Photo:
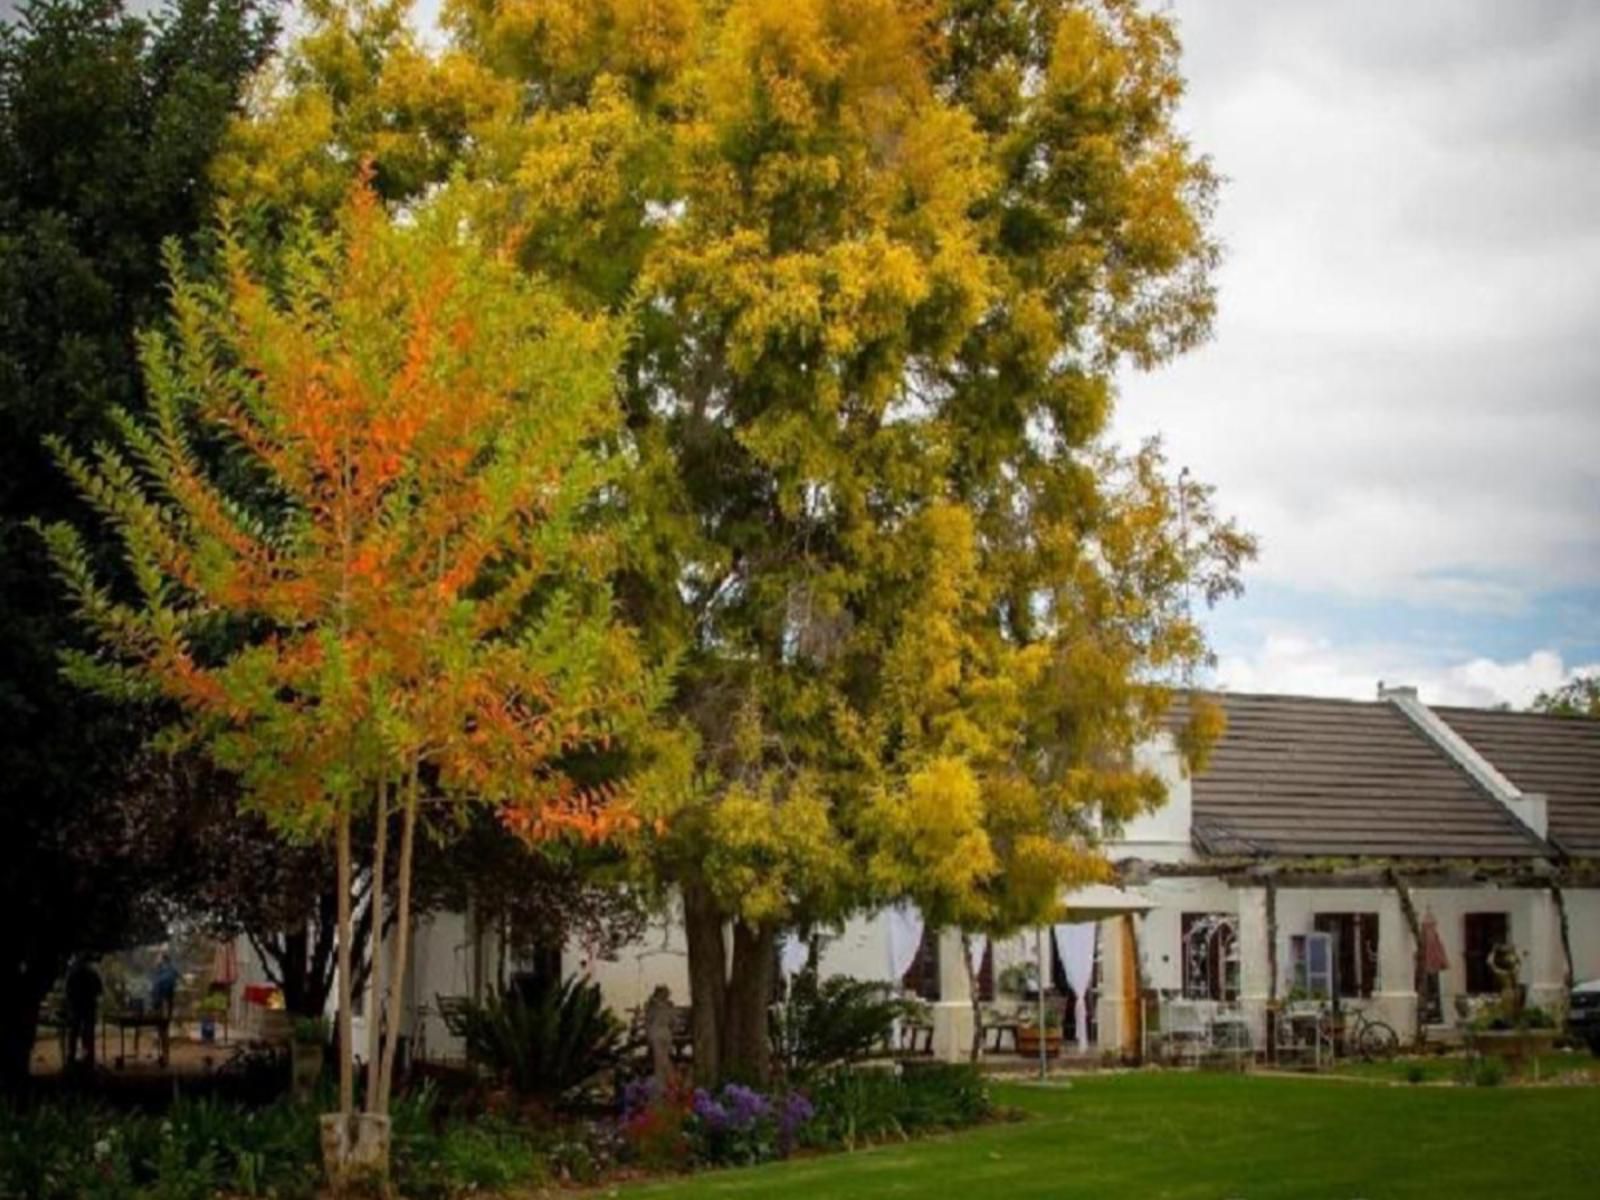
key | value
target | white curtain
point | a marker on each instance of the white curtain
(977, 943)
(905, 935)
(792, 954)
(1075, 945)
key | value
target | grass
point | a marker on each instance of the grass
(1557, 1065)
(1217, 1137)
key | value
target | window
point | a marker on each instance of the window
(986, 974)
(922, 976)
(1355, 951)
(1481, 933)
(1210, 956)
(1311, 961)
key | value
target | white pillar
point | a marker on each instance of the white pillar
(1546, 969)
(1395, 993)
(952, 1012)
(1255, 973)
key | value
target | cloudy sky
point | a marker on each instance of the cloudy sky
(1403, 395)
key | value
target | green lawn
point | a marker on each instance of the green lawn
(1557, 1065)
(1198, 1137)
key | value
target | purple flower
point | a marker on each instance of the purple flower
(638, 1095)
(712, 1115)
(797, 1110)
(745, 1105)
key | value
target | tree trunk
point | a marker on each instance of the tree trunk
(747, 1041)
(27, 985)
(708, 979)
(402, 945)
(375, 906)
(1568, 976)
(973, 991)
(347, 1077)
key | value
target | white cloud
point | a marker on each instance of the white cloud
(1310, 665)
(1401, 396)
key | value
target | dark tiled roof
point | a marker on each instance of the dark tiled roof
(1556, 756)
(1298, 776)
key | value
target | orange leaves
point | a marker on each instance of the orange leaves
(564, 809)
(398, 586)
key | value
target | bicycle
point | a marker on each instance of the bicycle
(1368, 1038)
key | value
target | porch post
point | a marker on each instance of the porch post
(1255, 969)
(952, 1012)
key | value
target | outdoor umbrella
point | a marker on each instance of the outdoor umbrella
(1434, 959)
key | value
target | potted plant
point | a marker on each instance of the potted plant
(308, 1047)
(1030, 1034)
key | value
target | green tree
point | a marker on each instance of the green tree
(395, 590)
(887, 258)
(107, 124)
(1578, 697)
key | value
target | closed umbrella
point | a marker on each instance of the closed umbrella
(1434, 958)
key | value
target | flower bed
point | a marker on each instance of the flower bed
(207, 1148)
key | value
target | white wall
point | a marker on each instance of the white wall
(1161, 836)
(661, 956)
(1583, 927)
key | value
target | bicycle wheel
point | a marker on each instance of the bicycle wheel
(1378, 1041)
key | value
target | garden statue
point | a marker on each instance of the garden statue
(1506, 963)
(658, 1020)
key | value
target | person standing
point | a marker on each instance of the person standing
(83, 1003)
(164, 998)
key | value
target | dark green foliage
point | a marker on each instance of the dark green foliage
(434, 1158)
(833, 1022)
(107, 123)
(200, 1149)
(547, 1041)
(868, 1105)
(195, 1150)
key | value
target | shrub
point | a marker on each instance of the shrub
(1480, 1070)
(834, 1022)
(545, 1042)
(866, 1105)
(1415, 1073)
(204, 1148)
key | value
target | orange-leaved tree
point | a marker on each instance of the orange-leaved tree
(365, 545)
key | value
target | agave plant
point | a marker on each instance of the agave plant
(836, 1021)
(546, 1041)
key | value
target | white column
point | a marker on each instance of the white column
(1255, 975)
(952, 1012)
(1395, 995)
(1546, 967)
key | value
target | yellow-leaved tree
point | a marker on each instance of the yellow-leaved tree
(887, 257)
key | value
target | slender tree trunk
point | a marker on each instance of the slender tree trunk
(375, 905)
(402, 945)
(1273, 1015)
(708, 979)
(977, 1001)
(1419, 967)
(347, 1078)
(1568, 976)
(747, 1042)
